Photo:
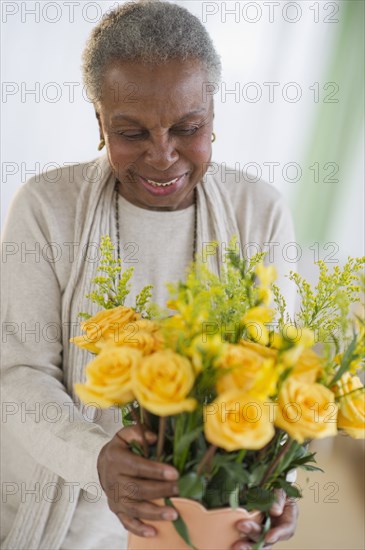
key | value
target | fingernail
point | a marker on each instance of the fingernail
(170, 473)
(170, 515)
(244, 527)
(248, 526)
(148, 532)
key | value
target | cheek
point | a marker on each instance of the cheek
(122, 155)
(199, 152)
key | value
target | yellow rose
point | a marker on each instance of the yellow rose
(108, 377)
(142, 334)
(242, 365)
(237, 420)
(351, 416)
(162, 382)
(308, 367)
(105, 325)
(306, 411)
(255, 320)
(266, 380)
(302, 338)
(264, 351)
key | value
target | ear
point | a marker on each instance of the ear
(101, 133)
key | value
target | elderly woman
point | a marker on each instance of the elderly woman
(160, 197)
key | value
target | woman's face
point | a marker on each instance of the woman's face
(157, 128)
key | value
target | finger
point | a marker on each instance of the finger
(133, 433)
(278, 506)
(142, 467)
(137, 527)
(286, 524)
(128, 489)
(245, 545)
(249, 528)
(148, 510)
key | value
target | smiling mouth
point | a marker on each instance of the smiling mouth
(166, 183)
(162, 184)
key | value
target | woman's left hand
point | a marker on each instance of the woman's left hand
(284, 514)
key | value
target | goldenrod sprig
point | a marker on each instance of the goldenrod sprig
(325, 308)
(112, 283)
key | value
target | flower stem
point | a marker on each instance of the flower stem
(276, 461)
(241, 455)
(205, 461)
(141, 428)
(146, 419)
(161, 436)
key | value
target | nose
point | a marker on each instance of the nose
(161, 152)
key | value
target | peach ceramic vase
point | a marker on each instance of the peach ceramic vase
(208, 529)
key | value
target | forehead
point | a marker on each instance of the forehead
(174, 88)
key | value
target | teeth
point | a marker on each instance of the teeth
(167, 183)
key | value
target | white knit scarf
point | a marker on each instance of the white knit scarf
(44, 525)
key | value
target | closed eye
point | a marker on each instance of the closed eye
(133, 135)
(180, 131)
(187, 131)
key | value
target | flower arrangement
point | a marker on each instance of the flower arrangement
(234, 387)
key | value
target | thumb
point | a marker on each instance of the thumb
(134, 433)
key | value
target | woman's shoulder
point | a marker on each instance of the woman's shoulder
(64, 181)
(245, 188)
(49, 199)
(259, 208)
(56, 191)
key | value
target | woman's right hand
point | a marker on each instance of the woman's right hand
(131, 482)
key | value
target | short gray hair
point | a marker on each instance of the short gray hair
(149, 32)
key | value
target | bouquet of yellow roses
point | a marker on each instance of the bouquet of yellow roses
(234, 388)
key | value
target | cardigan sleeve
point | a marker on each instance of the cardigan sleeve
(36, 405)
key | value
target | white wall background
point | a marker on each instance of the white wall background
(259, 42)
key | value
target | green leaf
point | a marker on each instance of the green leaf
(218, 490)
(259, 499)
(346, 360)
(191, 485)
(306, 457)
(181, 527)
(265, 529)
(290, 490)
(234, 501)
(311, 468)
(185, 440)
(236, 471)
(287, 462)
(257, 473)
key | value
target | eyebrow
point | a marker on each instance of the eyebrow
(121, 116)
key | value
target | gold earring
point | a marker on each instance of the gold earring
(101, 144)
(213, 137)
